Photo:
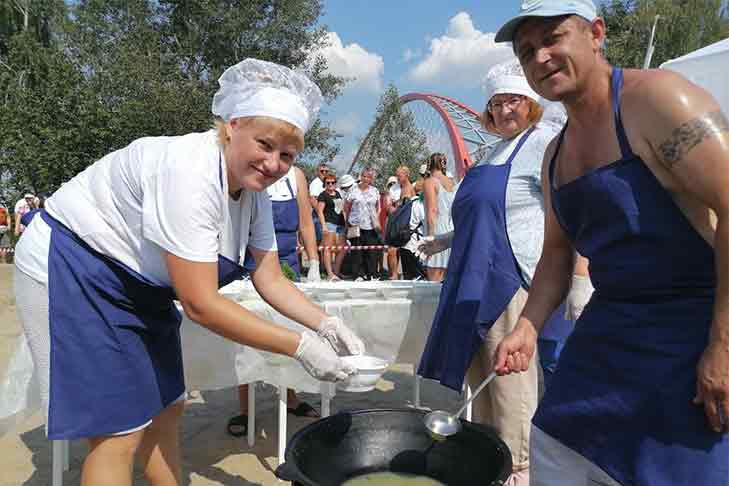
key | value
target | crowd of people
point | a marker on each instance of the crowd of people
(627, 193)
(16, 221)
(351, 216)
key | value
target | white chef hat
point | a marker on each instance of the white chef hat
(261, 88)
(507, 77)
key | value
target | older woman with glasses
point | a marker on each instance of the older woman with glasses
(498, 229)
(362, 207)
(330, 209)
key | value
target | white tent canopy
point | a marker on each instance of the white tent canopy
(707, 67)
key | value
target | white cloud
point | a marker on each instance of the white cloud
(410, 54)
(353, 61)
(347, 124)
(461, 56)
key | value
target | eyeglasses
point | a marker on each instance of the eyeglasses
(323, 171)
(511, 104)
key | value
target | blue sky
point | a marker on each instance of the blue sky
(440, 46)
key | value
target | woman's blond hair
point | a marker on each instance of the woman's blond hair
(535, 114)
(287, 129)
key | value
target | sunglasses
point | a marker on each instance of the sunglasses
(330, 183)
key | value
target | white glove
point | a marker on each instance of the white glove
(319, 359)
(578, 297)
(313, 274)
(430, 245)
(333, 330)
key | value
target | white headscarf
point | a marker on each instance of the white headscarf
(261, 88)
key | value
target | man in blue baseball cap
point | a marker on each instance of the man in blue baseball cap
(637, 183)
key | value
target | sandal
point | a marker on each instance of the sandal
(304, 410)
(238, 425)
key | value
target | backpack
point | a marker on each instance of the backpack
(397, 230)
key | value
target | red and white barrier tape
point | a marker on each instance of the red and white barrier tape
(348, 247)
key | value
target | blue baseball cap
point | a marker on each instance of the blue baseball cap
(546, 8)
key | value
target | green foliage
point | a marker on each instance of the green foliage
(683, 27)
(394, 139)
(81, 79)
(288, 272)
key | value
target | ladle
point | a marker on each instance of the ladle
(442, 424)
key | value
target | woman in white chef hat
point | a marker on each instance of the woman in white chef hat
(166, 218)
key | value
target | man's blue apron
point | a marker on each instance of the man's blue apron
(482, 277)
(116, 356)
(622, 394)
(286, 226)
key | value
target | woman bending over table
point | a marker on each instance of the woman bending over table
(165, 218)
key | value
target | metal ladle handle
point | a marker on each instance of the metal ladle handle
(478, 390)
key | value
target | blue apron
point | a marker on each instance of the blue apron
(482, 276)
(116, 355)
(286, 226)
(622, 393)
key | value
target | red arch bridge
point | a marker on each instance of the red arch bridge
(448, 126)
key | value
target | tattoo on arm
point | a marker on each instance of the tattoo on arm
(690, 134)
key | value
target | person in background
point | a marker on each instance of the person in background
(317, 184)
(361, 208)
(498, 227)
(165, 219)
(411, 266)
(315, 188)
(422, 175)
(408, 261)
(637, 183)
(389, 202)
(439, 192)
(330, 208)
(23, 206)
(4, 222)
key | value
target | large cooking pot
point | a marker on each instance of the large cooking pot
(334, 449)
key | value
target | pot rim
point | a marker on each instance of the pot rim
(291, 468)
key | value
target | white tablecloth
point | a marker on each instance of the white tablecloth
(392, 318)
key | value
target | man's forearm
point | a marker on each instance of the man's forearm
(720, 325)
(549, 287)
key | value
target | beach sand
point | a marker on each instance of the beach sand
(210, 455)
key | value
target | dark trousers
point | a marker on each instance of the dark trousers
(411, 268)
(364, 262)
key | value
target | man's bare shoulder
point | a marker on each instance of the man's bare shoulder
(659, 88)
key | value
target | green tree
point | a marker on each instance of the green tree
(102, 73)
(683, 27)
(393, 139)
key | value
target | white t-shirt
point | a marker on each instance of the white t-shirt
(315, 187)
(364, 206)
(279, 190)
(161, 193)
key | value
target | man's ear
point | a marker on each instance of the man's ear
(598, 30)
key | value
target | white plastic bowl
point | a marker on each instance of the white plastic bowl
(369, 370)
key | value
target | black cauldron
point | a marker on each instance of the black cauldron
(349, 444)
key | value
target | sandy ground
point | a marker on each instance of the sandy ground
(210, 455)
